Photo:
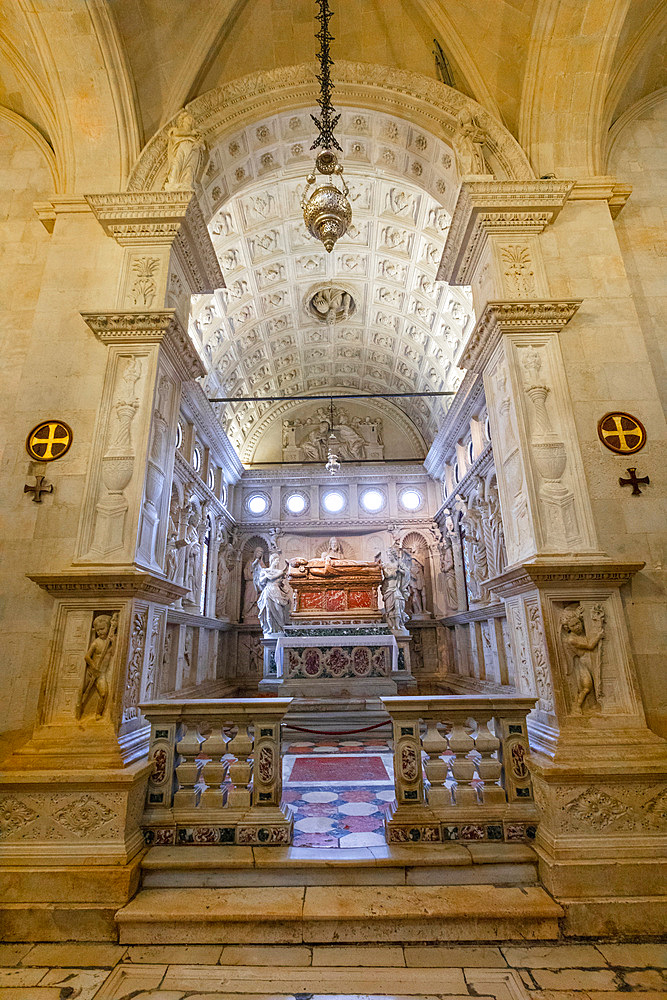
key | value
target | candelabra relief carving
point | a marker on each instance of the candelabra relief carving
(582, 644)
(156, 468)
(518, 270)
(549, 455)
(508, 458)
(483, 537)
(135, 662)
(118, 460)
(144, 286)
(539, 654)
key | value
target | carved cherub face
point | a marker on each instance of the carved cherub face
(572, 622)
(258, 553)
(101, 626)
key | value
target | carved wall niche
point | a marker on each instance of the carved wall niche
(248, 593)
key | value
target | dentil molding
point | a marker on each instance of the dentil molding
(514, 316)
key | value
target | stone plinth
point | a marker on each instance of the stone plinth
(334, 660)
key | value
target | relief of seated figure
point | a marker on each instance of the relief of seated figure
(332, 563)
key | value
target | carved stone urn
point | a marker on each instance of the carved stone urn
(117, 471)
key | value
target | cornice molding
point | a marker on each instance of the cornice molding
(485, 207)
(514, 316)
(115, 210)
(602, 189)
(130, 583)
(160, 326)
(554, 574)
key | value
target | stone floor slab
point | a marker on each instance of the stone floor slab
(84, 982)
(576, 979)
(80, 954)
(186, 954)
(290, 955)
(358, 955)
(11, 954)
(129, 978)
(312, 980)
(21, 977)
(635, 954)
(418, 956)
(559, 956)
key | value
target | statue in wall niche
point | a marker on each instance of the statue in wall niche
(474, 549)
(98, 663)
(417, 583)
(193, 552)
(395, 589)
(184, 150)
(249, 611)
(583, 653)
(274, 596)
(468, 145)
(496, 556)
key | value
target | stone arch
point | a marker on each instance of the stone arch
(424, 102)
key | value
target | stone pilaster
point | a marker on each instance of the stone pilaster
(595, 764)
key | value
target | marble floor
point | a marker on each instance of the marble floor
(338, 791)
(101, 971)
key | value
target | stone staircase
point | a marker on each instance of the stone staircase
(238, 895)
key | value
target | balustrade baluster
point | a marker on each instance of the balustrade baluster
(489, 767)
(215, 769)
(240, 769)
(189, 768)
(463, 769)
(436, 768)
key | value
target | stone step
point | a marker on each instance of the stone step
(342, 914)
(446, 864)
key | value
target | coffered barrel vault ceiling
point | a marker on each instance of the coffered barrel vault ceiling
(368, 317)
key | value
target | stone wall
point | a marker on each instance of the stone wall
(637, 157)
(52, 368)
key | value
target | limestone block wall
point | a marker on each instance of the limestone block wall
(638, 157)
(608, 368)
(52, 368)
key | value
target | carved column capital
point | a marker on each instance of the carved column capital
(489, 207)
(154, 327)
(514, 317)
(168, 250)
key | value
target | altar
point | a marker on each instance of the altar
(341, 660)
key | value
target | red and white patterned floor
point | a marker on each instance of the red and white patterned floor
(339, 791)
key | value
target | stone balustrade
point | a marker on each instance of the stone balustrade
(460, 769)
(217, 775)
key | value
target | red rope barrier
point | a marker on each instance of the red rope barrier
(342, 732)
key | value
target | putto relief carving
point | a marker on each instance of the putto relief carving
(357, 437)
(582, 645)
(98, 660)
(331, 304)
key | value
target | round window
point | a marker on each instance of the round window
(179, 434)
(333, 502)
(410, 499)
(373, 500)
(296, 503)
(487, 429)
(196, 459)
(470, 453)
(211, 479)
(257, 504)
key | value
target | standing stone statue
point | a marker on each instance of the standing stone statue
(417, 584)
(183, 153)
(394, 589)
(98, 662)
(274, 595)
(249, 611)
